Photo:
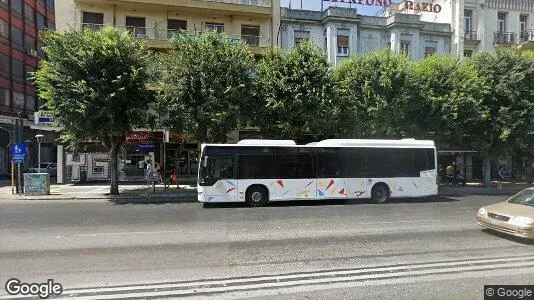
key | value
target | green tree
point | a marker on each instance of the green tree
(381, 99)
(508, 106)
(95, 84)
(297, 94)
(451, 92)
(207, 86)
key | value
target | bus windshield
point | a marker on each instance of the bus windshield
(215, 167)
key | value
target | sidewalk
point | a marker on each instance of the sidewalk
(476, 188)
(101, 191)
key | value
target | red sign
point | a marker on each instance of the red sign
(138, 137)
(429, 7)
(363, 2)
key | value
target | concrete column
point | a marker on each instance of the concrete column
(275, 23)
(331, 43)
(60, 164)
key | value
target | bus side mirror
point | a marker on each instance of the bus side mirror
(205, 162)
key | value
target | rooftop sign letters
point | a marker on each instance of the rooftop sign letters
(138, 137)
(363, 2)
(429, 7)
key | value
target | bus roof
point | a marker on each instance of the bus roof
(338, 143)
(375, 143)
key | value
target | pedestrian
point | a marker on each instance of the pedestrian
(149, 171)
(455, 173)
(500, 176)
(158, 171)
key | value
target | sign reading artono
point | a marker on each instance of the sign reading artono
(363, 2)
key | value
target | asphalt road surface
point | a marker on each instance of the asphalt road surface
(427, 248)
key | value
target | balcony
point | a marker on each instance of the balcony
(158, 38)
(471, 37)
(526, 39)
(504, 38)
(243, 7)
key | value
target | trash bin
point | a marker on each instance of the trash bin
(83, 173)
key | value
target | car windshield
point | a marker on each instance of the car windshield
(525, 198)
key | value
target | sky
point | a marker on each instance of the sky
(316, 5)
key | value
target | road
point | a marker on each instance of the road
(427, 248)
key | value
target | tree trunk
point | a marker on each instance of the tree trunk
(486, 171)
(113, 169)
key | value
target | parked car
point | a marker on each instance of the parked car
(46, 167)
(515, 216)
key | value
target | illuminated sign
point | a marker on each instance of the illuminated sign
(363, 2)
(138, 137)
(429, 7)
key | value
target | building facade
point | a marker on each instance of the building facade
(342, 32)
(20, 51)
(480, 25)
(155, 21)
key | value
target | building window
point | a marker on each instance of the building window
(468, 53)
(468, 21)
(92, 20)
(343, 42)
(4, 30)
(18, 102)
(4, 65)
(4, 99)
(17, 37)
(29, 42)
(430, 51)
(175, 26)
(30, 104)
(219, 27)
(29, 13)
(523, 27)
(251, 35)
(29, 71)
(16, 6)
(50, 4)
(405, 47)
(41, 21)
(301, 36)
(18, 70)
(137, 26)
(501, 22)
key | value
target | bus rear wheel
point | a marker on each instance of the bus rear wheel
(256, 196)
(380, 193)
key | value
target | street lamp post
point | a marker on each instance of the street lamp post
(39, 138)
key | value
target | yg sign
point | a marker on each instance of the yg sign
(429, 7)
(363, 2)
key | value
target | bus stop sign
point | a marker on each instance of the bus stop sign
(18, 153)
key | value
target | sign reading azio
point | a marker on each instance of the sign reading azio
(363, 2)
(429, 7)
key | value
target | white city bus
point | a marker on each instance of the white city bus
(259, 171)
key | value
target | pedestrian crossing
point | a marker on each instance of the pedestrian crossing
(219, 287)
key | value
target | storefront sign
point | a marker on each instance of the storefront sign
(138, 137)
(429, 7)
(363, 2)
(146, 147)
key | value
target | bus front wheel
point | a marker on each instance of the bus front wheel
(380, 193)
(256, 196)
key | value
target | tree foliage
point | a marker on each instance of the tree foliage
(380, 96)
(297, 95)
(207, 85)
(95, 84)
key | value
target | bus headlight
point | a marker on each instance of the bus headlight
(482, 211)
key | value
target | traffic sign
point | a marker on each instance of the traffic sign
(18, 153)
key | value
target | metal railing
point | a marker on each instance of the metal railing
(154, 33)
(526, 36)
(471, 36)
(504, 37)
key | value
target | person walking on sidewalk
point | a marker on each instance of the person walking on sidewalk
(149, 172)
(500, 176)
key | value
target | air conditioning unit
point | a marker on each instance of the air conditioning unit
(32, 52)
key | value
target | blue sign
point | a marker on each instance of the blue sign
(18, 153)
(146, 147)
